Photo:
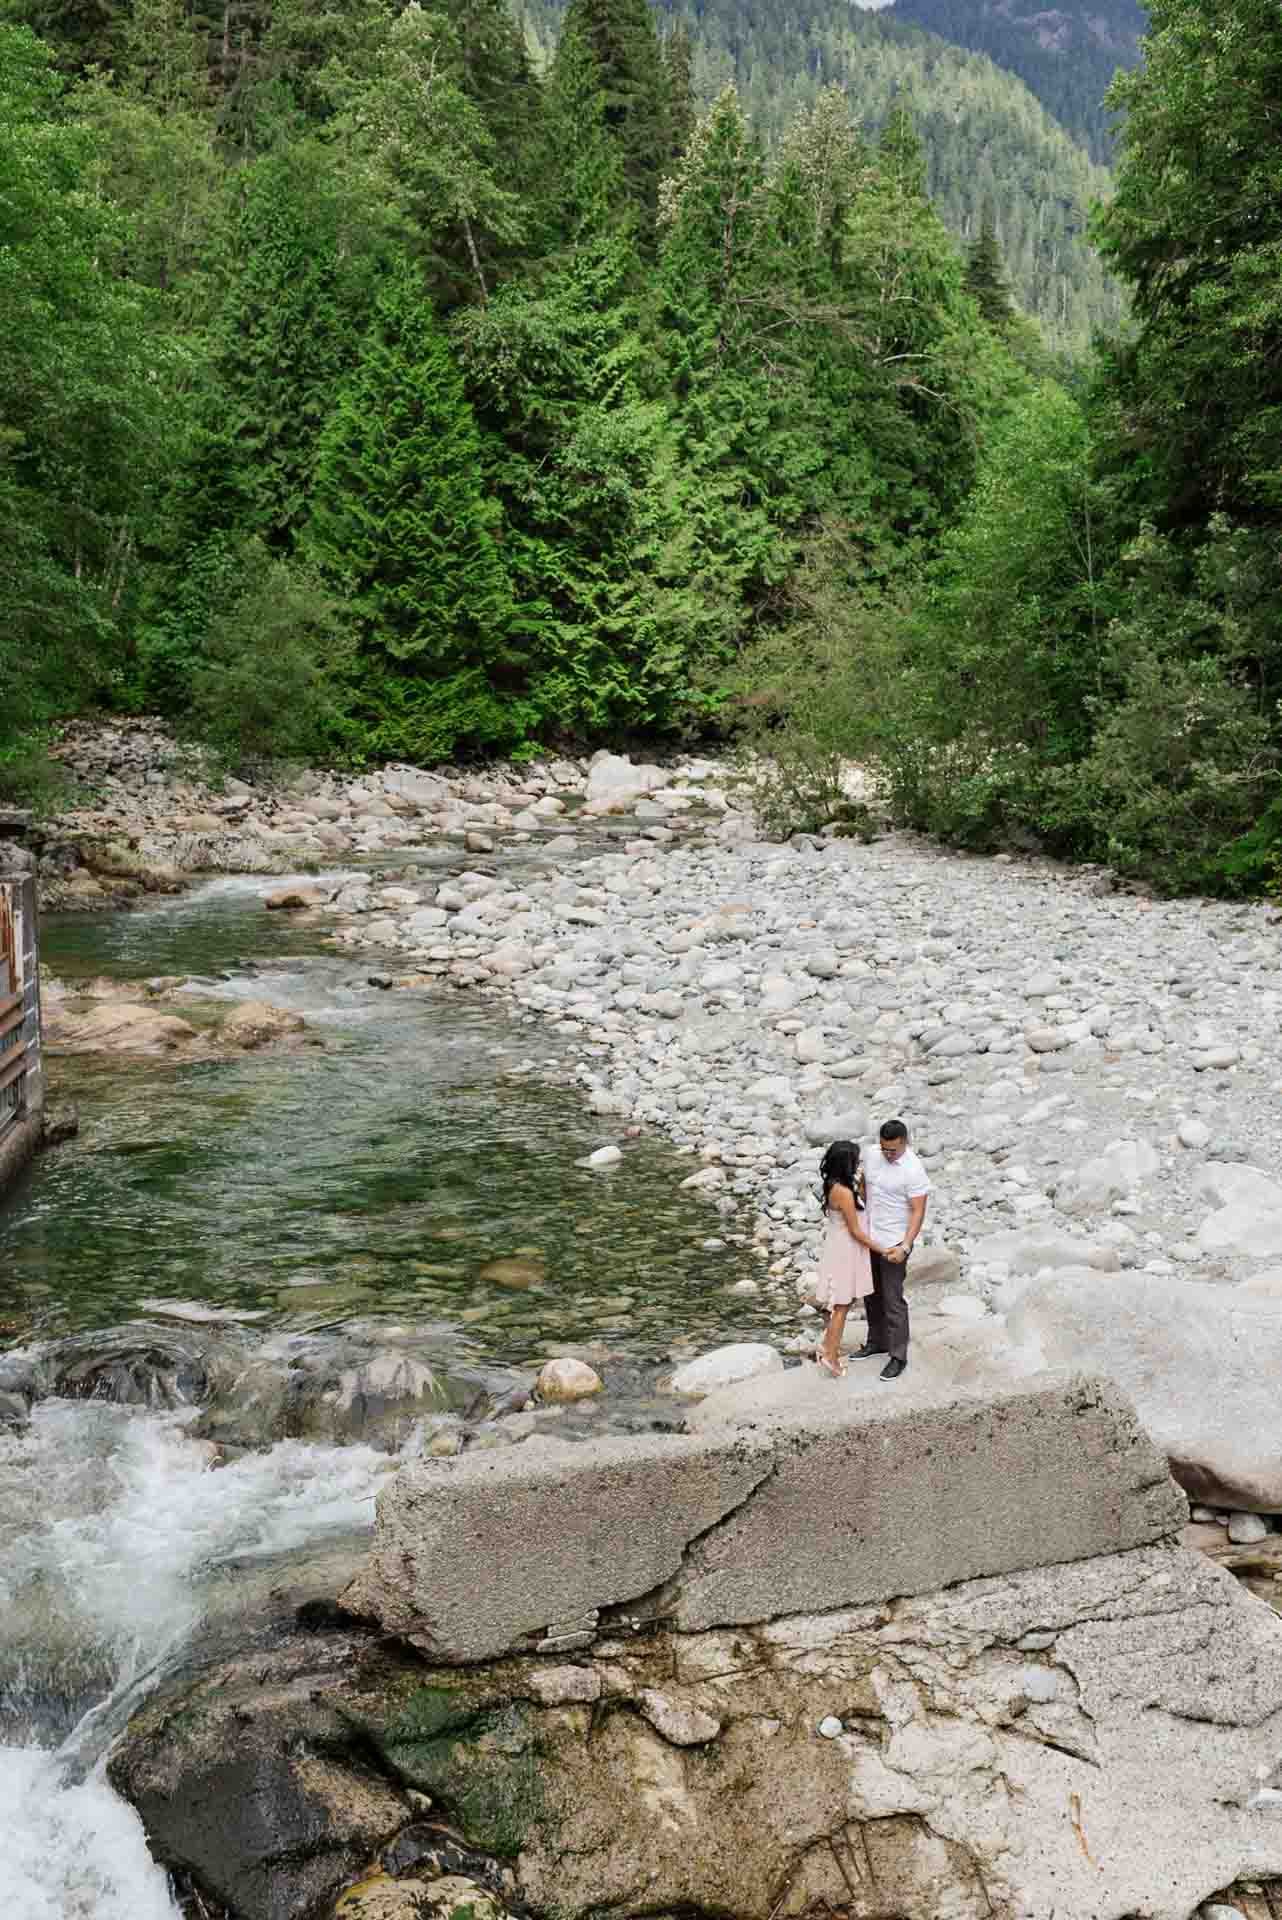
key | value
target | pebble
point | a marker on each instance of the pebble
(830, 1726)
(1245, 1529)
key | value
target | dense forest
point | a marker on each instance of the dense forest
(369, 390)
(1066, 55)
(990, 147)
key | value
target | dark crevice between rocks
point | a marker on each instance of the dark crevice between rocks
(657, 1607)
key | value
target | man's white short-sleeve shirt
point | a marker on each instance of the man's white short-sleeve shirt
(891, 1184)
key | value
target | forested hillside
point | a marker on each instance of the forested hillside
(367, 393)
(1067, 55)
(1091, 657)
(990, 146)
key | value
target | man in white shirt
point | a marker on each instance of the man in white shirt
(897, 1189)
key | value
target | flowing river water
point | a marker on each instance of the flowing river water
(360, 1186)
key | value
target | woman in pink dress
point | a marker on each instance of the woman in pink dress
(845, 1271)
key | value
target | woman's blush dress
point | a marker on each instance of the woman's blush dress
(845, 1271)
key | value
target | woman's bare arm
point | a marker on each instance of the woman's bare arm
(844, 1201)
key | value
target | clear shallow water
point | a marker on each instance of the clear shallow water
(376, 1174)
(372, 1178)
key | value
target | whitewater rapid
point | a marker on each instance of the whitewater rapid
(114, 1535)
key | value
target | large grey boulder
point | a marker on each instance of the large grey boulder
(1248, 1211)
(835, 1505)
(1202, 1364)
(615, 784)
(744, 1360)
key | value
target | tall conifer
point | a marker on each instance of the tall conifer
(625, 47)
(986, 280)
(400, 524)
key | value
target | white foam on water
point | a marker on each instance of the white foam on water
(73, 1853)
(110, 1523)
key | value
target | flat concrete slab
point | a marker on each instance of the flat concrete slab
(796, 1509)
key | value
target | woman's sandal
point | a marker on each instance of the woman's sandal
(838, 1371)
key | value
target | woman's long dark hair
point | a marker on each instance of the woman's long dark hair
(839, 1168)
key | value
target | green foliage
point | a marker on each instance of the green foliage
(986, 281)
(288, 333)
(428, 150)
(400, 527)
(808, 696)
(1196, 227)
(987, 140)
(620, 38)
(84, 384)
(274, 653)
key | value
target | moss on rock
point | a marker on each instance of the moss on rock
(479, 1760)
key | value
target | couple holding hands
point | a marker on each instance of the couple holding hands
(874, 1206)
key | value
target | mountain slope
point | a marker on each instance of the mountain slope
(1065, 54)
(988, 141)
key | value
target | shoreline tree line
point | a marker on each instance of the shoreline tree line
(370, 393)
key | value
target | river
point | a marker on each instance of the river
(356, 1188)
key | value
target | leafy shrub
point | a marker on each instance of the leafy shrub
(1180, 769)
(268, 683)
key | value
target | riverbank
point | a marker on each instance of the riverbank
(1092, 1077)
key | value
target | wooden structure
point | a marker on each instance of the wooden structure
(21, 1080)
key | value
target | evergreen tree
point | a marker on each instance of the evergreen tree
(399, 524)
(428, 150)
(1196, 228)
(986, 281)
(86, 404)
(580, 189)
(737, 459)
(287, 335)
(156, 158)
(678, 73)
(621, 37)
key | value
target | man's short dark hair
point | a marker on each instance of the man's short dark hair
(893, 1130)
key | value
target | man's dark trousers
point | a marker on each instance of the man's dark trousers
(886, 1308)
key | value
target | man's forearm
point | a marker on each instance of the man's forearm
(916, 1218)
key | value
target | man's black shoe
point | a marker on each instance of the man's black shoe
(893, 1369)
(866, 1352)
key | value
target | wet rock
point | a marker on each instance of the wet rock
(564, 1380)
(118, 1027)
(62, 1123)
(454, 1897)
(378, 1401)
(262, 1792)
(14, 1409)
(381, 1898)
(294, 899)
(253, 1024)
(334, 1387)
(516, 1273)
(430, 1850)
(136, 1365)
(1147, 1673)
